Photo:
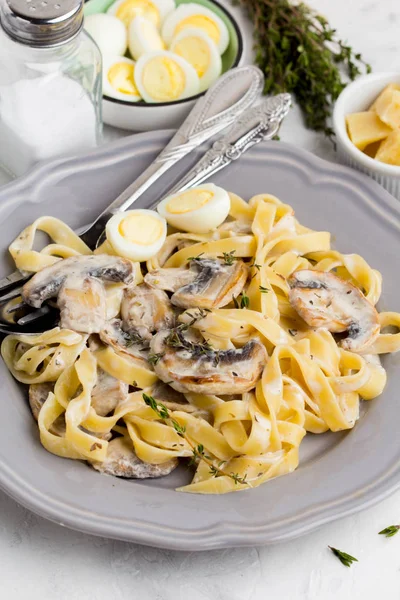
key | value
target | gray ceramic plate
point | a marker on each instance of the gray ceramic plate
(338, 473)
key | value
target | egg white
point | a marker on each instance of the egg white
(191, 80)
(143, 37)
(128, 248)
(199, 220)
(160, 8)
(214, 67)
(173, 23)
(108, 89)
(108, 32)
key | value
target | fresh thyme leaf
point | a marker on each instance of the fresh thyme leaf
(198, 257)
(198, 451)
(158, 407)
(175, 339)
(264, 290)
(154, 359)
(228, 257)
(346, 559)
(180, 429)
(299, 52)
(132, 338)
(237, 479)
(244, 300)
(255, 265)
(390, 531)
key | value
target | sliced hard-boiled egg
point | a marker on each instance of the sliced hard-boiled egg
(143, 37)
(165, 77)
(195, 15)
(198, 210)
(136, 234)
(108, 32)
(154, 10)
(119, 78)
(195, 46)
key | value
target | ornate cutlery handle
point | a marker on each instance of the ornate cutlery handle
(222, 104)
(260, 123)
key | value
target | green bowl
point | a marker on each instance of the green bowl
(234, 51)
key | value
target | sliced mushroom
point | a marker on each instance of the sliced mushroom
(324, 300)
(130, 343)
(83, 305)
(145, 310)
(108, 393)
(47, 283)
(209, 283)
(38, 393)
(121, 461)
(170, 280)
(193, 367)
(237, 226)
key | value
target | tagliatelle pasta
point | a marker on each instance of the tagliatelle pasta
(310, 382)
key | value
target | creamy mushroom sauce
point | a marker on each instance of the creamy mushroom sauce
(224, 349)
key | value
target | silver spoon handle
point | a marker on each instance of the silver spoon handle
(262, 122)
(223, 103)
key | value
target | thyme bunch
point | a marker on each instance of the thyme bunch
(299, 52)
(199, 452)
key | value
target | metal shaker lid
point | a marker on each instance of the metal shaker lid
(41, 23)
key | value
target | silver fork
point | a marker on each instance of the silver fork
(259, 123)
(223, 103)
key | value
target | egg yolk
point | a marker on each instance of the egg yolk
(141, 229)
(163, 79)
(132, 8)
(196, 51)
(202, 22)
(121, 79)
(189, 201)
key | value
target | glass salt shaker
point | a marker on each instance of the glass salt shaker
(50, 82)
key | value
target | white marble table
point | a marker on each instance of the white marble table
(41, 560)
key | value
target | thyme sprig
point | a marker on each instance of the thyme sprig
(242, 301)
(154, 358)
(198, 450)
(346, 559)
(176, 339)
(390, 531)
(264, 290)
(228, 257)
(299, 52)
(198, 257)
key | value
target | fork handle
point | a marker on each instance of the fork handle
(212, 113)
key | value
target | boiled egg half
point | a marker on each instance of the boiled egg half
(136, 234)
(153, 10)
(198, 49)
(119, 78)
(200, 17)
(165, 77)
(108, 32)
(143, 37)
(198, 210)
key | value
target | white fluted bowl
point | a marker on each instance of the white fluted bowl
(356, 97)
